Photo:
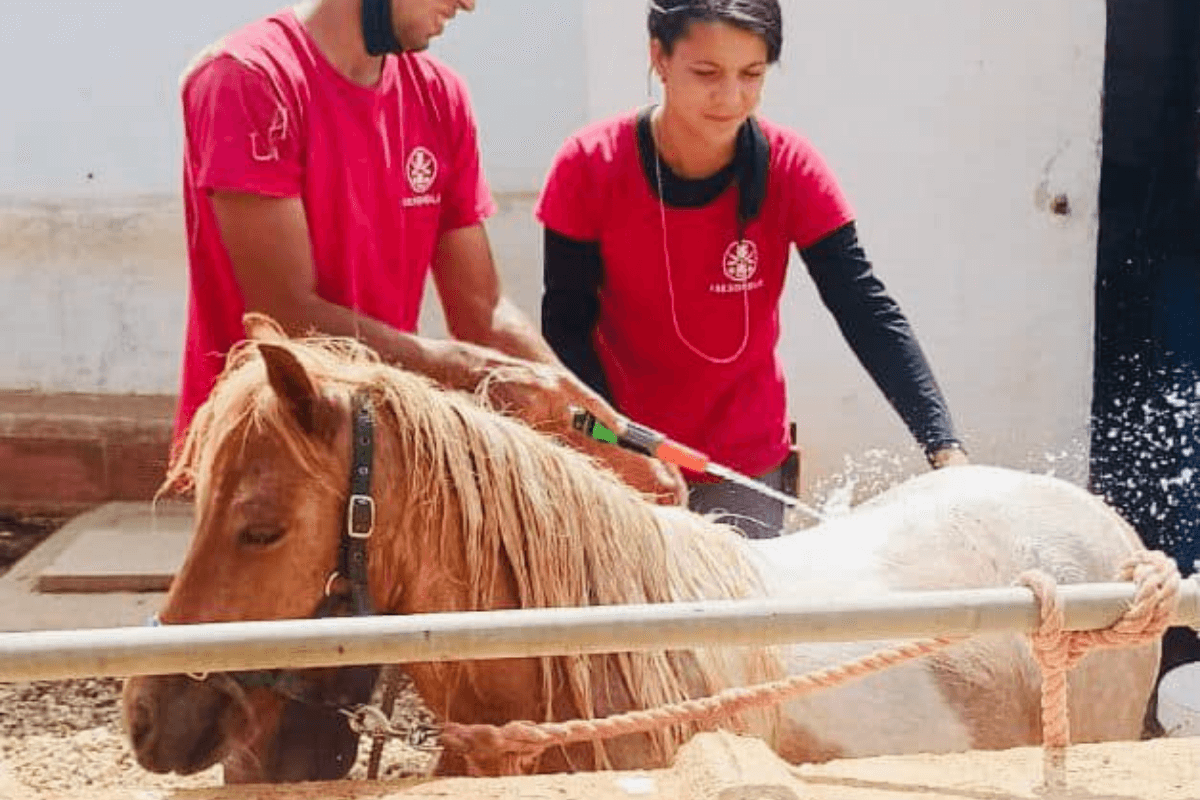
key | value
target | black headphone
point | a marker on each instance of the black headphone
(378, 33)
(754, 165)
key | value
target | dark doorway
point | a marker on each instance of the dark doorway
(1145, 450)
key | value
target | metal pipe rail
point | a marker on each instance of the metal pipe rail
(221, 647)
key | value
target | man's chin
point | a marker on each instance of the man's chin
(412, 44)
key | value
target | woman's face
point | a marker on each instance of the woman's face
(713, 79)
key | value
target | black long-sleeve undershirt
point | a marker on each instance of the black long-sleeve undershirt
(572, 274)
(880, 335)
(870, 320)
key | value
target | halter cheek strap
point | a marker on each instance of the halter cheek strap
(360, 507)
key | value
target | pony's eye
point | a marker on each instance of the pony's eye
(260, 535)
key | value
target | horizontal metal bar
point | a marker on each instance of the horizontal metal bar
(118, 652)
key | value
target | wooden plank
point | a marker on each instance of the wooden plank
(136, 551)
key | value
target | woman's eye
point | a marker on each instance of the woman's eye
(260, 535)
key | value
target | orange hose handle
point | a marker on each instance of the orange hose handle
(682, 456)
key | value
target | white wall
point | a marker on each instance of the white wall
(950, 123)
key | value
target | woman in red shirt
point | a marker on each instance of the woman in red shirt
(668, 232)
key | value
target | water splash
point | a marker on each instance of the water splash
(1146, 455)
(861, 477)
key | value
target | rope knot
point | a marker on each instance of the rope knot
(510, 749)
(1156, 596)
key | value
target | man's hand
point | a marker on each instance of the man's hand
(542, 395)
(514, 369)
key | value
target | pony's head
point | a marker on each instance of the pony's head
(474, 511)
(267, 459)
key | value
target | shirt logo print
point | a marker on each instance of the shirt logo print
(422, 169)
(266, 148)
(741, 261)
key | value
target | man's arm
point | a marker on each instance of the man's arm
(268, 244)
(476, 309)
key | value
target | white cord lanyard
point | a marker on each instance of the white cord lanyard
(745, 292)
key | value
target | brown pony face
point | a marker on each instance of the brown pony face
(265, 542)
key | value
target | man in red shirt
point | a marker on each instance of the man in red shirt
(330, 167)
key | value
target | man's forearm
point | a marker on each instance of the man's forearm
(455, 365)
(513, 333)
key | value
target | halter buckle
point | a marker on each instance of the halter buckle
(360, 516)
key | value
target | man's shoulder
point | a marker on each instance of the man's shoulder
(268, 46)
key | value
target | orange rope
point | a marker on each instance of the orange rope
(517, 745)
(520, 743)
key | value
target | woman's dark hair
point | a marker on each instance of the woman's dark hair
(669, 20)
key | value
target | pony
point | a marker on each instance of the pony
(475, 510)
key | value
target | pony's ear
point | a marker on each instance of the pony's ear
(261, 328)
(291, 383)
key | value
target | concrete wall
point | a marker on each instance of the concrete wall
(952, 124)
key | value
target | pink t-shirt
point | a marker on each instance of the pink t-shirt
(383, 172)
(692, 352)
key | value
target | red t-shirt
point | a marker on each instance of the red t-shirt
(383, 172)
(693, 353)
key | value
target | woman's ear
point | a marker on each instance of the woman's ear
(658, 60)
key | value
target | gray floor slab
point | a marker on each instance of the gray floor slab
(106, 568)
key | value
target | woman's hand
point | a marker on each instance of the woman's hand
(951, 455)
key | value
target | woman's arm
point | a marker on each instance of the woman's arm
(572, 274)
(882, 339)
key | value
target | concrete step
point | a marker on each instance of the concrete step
(106, 568)
(65, 453)
(120, 547)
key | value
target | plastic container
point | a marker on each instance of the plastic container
(1179, 701)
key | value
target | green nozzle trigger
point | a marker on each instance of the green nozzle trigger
(586, 422)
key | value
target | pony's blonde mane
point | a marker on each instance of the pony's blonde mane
(568, 532)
